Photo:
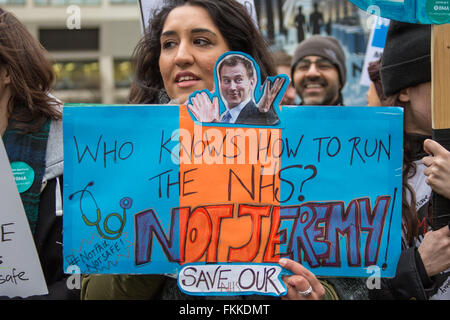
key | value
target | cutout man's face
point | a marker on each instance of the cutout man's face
(235, 84)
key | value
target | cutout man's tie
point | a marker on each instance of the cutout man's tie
(227, 117)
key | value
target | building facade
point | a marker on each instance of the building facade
(90, 43)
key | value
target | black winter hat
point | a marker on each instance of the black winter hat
(406, 58)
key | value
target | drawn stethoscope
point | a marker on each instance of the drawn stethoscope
(125, 203)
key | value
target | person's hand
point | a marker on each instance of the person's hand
(303, 285)
(270, 93)
(438, 171)
(435, 251)
(203, 109)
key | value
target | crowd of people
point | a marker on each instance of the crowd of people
(176, 57)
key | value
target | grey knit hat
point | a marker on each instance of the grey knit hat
(325, 47)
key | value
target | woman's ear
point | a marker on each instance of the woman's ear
(5, 78)
(404, 95)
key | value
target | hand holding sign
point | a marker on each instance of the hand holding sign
(303, 285)
(438, 171)
(435, 251)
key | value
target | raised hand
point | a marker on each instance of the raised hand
(270, 93)
(203, 109)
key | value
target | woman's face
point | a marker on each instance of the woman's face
(190, 46)
(418, 117)
(372, 96)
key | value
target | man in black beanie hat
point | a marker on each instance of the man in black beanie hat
(318, 71)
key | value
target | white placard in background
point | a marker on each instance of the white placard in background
(20, 270)
(375, 47)
(148, 6)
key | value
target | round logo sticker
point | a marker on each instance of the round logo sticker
(438, 10)
(23, 175)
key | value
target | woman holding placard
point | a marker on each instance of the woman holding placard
(406, 81)
(176, 57)
(31, 128)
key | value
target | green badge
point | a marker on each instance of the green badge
(23, 175)
(438, 10)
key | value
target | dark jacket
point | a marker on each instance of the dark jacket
(48, 232)
(252, 116)
(48, 240)
(411, 281)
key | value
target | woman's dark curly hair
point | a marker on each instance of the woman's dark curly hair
(409, 212)
(31, 76)
(232, 20)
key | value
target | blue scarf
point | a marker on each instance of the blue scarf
(31, 149)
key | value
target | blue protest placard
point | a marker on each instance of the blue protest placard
(121, 161)
(148, 189)
(328, 194)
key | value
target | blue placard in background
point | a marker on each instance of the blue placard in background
(412, 11)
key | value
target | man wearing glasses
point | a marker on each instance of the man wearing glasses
(318, 71)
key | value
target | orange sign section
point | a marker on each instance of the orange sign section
(230, 183)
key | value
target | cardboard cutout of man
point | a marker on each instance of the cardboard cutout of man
(236, 85)
(237, 78)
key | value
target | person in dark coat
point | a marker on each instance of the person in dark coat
(300, 22)
(423, 268)
(31, 128)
